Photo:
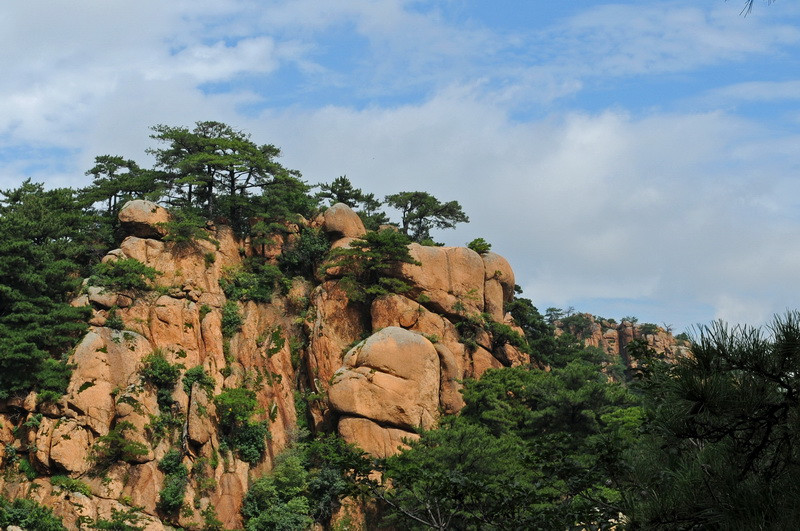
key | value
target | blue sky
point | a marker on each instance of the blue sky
(630, 158)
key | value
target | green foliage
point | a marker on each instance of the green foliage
(113, 319)
(120, 521)
(579, 325)
(27, 469)
(162, 375)
(126, 274)
(114, 446)
(304, 255)
(721, 448)
(165, 425)
(420, 212)
(235, 407)
(530, 450)
(117, 180)
(648, 329)
(249, 441)
(170, 497)
(215, 168)
(201, 377)
(185, 227)
(480, 246)
(231, 319)
(28, 515)
(71, 485)
(305, 486)
(368, 263)
(46, 240)
(256, 282)
(277, 501)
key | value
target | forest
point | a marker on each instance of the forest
(705, 441)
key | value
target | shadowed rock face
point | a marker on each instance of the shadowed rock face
(406, 371)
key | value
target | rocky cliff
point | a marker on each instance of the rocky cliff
(373, 372)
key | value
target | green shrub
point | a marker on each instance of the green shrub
(648, 329)
(114, 446)
(578, 324)
(304, 255)
(26, 469)
(125, 274)
(198, 375)
(71, 485)
(120, 521)
(162, 375)
(113, 320)
(170, 497)
(234, 409)
(249, 441)
(165, 424)
(257, 282)
(185, 227)
(368, 263)
(231, 319)
(28, 515)
(480, 246)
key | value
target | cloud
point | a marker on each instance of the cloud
(756, 91)
(603, 206)
(689, 212)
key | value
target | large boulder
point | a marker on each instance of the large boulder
(144, 219)
(341, 222)
(450, 280)
(391, 378)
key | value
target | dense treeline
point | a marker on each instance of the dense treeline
(708, 441)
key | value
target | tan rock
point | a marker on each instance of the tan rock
(337, 323)
(228, 502)
(391, 378)
(374, 439)
(499, 285)
(451, 376)
(142, 218)
(200, 427)
(482, 361)
(142, 486)
(341, 222)
(450, 279)
(102, 297)
(396, 310)
(106, 360)
(69, 447)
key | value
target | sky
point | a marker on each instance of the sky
(635, 158)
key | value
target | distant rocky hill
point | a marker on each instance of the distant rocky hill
(147, 373)
(613, 338)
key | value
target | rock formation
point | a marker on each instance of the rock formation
(373, 372)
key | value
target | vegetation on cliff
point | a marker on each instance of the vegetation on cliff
(562, 420)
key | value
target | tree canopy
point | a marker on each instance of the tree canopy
(420, 212)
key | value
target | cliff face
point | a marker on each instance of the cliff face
(373, 372)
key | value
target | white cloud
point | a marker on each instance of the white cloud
(756, 91)
(693, 210)
(604, 206)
